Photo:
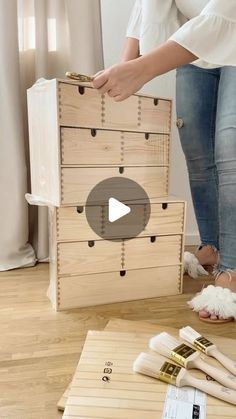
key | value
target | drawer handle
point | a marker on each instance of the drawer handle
(122, 273)
(153, 239)
(147, 135)
(156, 101)
(93, 132)
(164, 206)
(121, 170)
(81, 90)
(91, 243)
(80, 210)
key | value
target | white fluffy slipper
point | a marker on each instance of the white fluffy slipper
(192, 266)
(216, 300)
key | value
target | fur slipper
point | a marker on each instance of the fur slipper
(216, 300)
(192, 266)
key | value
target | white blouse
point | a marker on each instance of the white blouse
(207, 28)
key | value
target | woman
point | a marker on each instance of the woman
(168, 34)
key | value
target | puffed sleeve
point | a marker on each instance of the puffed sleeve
(211, 36)
(134, 25)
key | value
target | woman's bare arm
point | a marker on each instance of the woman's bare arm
(131, 50)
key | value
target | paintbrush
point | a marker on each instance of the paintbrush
(158, 367)
(189, 358)
(207, 347)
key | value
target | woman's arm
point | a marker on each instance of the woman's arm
(131, 49)
(122, 80)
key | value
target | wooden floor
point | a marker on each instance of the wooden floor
(39, 348)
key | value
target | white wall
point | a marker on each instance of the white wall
(115, 15)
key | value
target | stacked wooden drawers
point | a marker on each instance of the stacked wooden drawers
(77, 139)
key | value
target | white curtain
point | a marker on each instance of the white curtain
(38, 38)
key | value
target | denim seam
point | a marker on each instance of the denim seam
(212, 137)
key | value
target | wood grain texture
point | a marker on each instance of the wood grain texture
(92, 290)
(40, 348)
(129, 395)
(142, 124)
(88, 147)
(167, 219)
(110, 256)
(77, 183)
(87, 108)
(44, 141)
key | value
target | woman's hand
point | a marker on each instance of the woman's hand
(121, 80)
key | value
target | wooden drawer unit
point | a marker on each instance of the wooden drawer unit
(79, 138)
(81, 106)
(89, 290)
(81, 146)
(167, 217)
(76, 183)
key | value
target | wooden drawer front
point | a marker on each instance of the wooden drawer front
(78, 182)
(146, 149)
(155, 112)
(88, 147)
(105, 288)
(145, 115)
(142, 253)
(102, 147)
(79, 258)
(72, 223)
(84, 107)
(166, 218)
(107, 256)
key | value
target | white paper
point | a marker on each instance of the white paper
(184, 403)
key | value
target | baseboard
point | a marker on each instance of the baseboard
(192, 239)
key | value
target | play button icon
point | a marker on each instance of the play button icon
(117, 210)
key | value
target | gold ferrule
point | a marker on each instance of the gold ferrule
(181, 354)
(202, 344)
(79, 77)
(169, 372)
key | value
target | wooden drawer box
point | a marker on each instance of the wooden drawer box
(167, 217)
(69, 131)
(107, 256)
(76, 183)
(81, 146)
(90, 290)
(81, 106)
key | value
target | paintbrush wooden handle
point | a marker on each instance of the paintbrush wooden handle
(228, 380)
(215, 390)
(228, 363)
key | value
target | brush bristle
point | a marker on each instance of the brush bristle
(148, 364)
(189, 334)
(164, 344)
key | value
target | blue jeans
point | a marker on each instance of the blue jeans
(206, 112)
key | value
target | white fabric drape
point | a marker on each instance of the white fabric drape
(38, 38)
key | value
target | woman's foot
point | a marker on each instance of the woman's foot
(207, 256)
(225, 280)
